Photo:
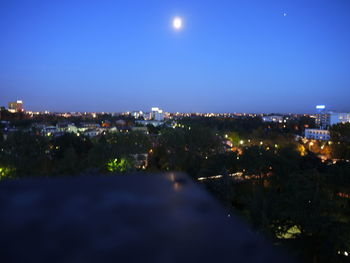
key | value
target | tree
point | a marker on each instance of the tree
(69, 164)
(25, 154)
(234, 138)
(340, 134)
(121, 165)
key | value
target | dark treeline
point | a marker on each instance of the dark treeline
(246, 125)
(27, 154)
(303, 204)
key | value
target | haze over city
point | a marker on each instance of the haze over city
(228, 56)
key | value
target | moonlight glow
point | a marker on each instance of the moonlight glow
(177, 23)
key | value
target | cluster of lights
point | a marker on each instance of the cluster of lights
(238, 176)
(176, 125)
(345, 253)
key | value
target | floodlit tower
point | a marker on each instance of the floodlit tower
(322, 117)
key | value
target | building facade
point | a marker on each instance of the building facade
(157, 114)
(322, 118)
(325, 119)
(275, 118)
(338, 117)
(16, 106)
(317, 134)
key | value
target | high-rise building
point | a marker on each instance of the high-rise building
(156, 114)
(16, 106)
(322, 120)
(325, 119)
(137, 114)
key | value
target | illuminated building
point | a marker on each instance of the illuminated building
(322, 117)
(317, 134)
(325, 119)
(157, 114)
(16, 106)
(338, 117)
(273, 119)
(149, 122)
(137, 114)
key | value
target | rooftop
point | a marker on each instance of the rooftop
(153, 218)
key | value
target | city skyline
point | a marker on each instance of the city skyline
(12, 105)
(275, 56)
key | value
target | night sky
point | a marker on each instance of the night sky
(230, 56)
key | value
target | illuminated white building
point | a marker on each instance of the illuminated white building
(137, 114)
(325, 119)
(322, 118)
(278, 119)
(317, 134)
(156, 114)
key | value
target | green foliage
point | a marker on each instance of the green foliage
(80, 144)
(5, 172)
(234, 138)
(68, 163)
(120, 166)
(35, 155)
(153, 130)
(297, 205)
(127, 143)
(184, 149)
(27, 153)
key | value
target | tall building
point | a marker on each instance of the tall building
(137, 114)
(16, 106)
(325, 119)
(157, 114)
(322, 118)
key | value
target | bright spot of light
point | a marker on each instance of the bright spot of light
(177, 23)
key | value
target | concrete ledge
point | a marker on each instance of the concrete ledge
(133, 218)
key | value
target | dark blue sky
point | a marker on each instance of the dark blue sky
(231, 56)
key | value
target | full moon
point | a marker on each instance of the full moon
(177, 23)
